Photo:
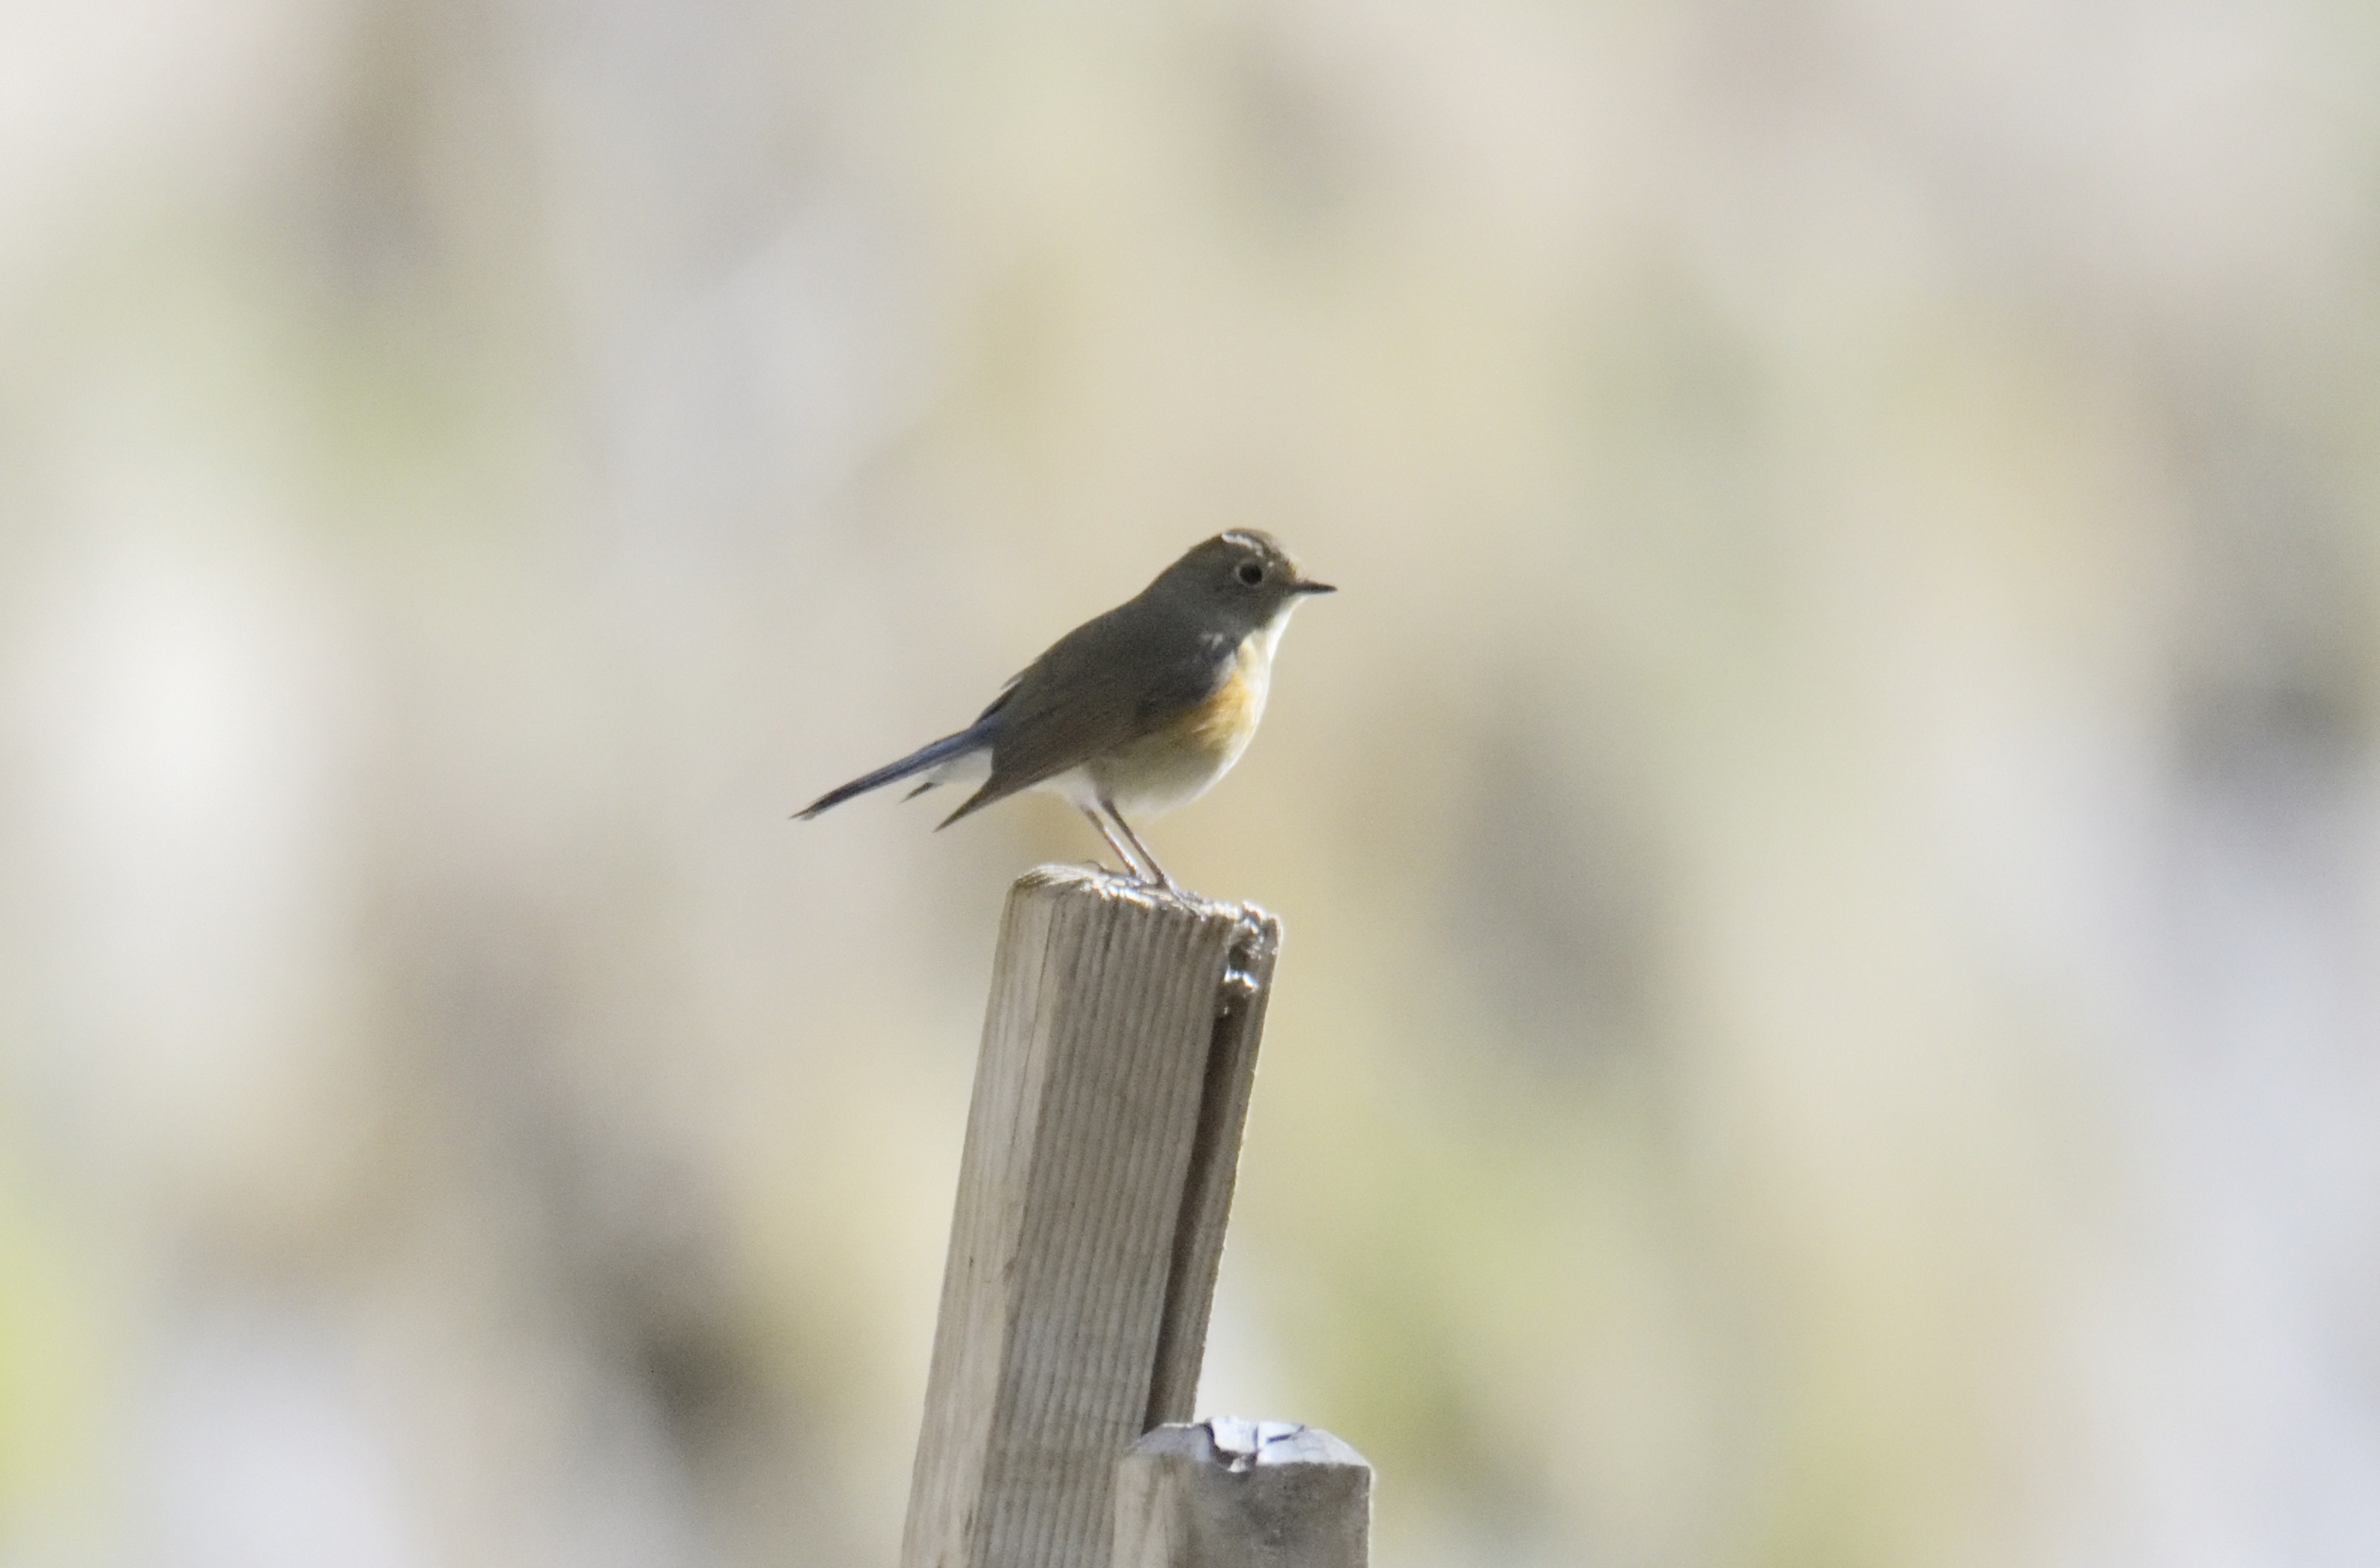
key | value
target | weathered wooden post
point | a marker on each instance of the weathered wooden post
(1243, 1494)
(1118, 1053)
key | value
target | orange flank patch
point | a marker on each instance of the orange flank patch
(1221, 724)
(1169, 766)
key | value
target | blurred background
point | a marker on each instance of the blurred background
(1830, 844)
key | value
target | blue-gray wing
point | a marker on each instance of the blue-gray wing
(1103, 685)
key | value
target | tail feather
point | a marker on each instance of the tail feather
(917, 761)
(993, 789)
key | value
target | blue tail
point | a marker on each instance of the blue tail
(917, 762)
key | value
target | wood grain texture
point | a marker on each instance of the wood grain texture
(1241, 1494)
(1118, 1053)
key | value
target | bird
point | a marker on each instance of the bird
(1134, 711)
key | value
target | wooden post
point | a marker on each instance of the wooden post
(1118, 1052)
(1243, 1494)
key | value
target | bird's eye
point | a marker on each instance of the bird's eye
(1251, 574)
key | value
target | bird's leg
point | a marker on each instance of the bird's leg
(1131, 867)
(1167, 883)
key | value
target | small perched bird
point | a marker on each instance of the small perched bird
(1136, 711)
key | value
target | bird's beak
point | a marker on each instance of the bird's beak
(1313, 588)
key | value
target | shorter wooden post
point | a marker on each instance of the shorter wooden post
(1243, 1494)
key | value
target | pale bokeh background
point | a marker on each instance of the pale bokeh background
(1830, 845)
